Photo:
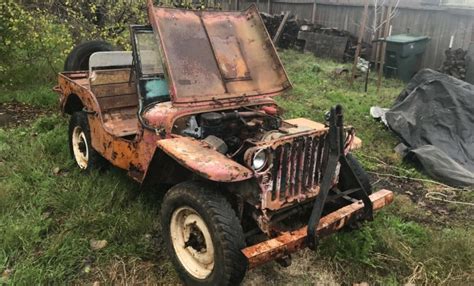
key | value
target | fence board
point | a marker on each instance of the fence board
(439, 23)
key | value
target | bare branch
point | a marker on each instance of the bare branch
(378, 7)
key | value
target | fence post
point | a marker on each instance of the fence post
(384, 46)
(269, 6)
(313, 15)
(359, 41)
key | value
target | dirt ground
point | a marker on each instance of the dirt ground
(14, 114)
(304, 269)
(435, 207)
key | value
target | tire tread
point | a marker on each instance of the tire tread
(225, 221)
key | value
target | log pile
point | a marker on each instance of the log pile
(455, 63)
(289, 36)
(351, 45)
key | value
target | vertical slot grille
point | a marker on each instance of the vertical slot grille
(297, 168)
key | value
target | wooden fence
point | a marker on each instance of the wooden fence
(440, 23)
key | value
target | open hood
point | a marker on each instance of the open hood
(217, 56)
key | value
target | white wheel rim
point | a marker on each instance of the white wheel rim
(80, 147)
(188, 227)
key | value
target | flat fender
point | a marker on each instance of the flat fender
(199, 157)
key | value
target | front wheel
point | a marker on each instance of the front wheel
(203, 235)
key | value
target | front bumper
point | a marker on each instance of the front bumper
(289, 242)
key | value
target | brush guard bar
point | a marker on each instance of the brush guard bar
(336, 140)
(359, 210)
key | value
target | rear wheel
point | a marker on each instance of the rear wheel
(203, 235)
(78, 58)
(80, 143)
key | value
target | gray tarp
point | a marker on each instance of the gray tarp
(434, 116)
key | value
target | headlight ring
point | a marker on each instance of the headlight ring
(258, 160)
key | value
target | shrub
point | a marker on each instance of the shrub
(33, 45)
(96, 19)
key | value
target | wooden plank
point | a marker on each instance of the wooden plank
(359, 41)
(302, 10)
(113, 89)
(384, 46)
(290, 2)
(378, 35)
(412, 4)
(122, 113)
(100, 77)
(118, 101)
(124, 127)
(277, 36)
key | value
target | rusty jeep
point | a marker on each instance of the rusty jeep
(192, 107)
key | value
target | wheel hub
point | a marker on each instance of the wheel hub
(196, 238)
(80, 148)
(192, 242)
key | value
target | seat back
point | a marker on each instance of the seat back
(114, 88)
(110, 80)
(110, 60)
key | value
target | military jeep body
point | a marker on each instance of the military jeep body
(192, 107)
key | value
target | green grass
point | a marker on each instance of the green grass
(36, 95)
(393, 247)
(49, 211)
(48, 217)
(316, 90)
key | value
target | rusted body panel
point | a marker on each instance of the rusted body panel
(131, 155)
(210, 55)
(199, 157)
(304, 124)
(135, 155)
(163, 115)
(289, 242)
(76, 83)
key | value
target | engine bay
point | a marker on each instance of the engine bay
(244, 134)
(229, 131)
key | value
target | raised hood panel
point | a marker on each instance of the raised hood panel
(216, 56)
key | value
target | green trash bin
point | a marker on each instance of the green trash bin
(403, 55)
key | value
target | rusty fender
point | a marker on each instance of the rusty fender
(199, 157)
(289, 242)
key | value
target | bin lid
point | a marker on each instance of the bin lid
(405, 39)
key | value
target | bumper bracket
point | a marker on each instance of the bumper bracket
(289, 242)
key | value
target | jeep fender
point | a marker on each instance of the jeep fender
(202, 159)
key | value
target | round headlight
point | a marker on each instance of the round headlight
(259, 160)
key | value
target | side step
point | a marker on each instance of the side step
(289, 242)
